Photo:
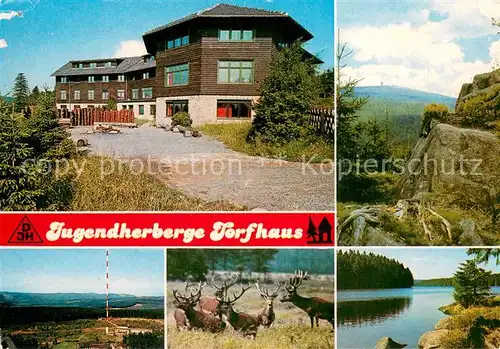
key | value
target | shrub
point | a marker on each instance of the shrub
(481, 111)
(182, 119)
(367, 188)
(433, 111)
(287, 95)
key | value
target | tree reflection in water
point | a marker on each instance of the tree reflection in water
(352, 313)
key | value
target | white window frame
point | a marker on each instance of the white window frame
(64, 79)
(90, 94)
(121, 78)
(135, 93)
(105, 78)
(120, 92)
(75, 94)
(64, 95)
(107, 95)
(91, 78)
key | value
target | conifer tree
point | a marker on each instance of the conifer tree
(471, 284)
(21, 92)
(287, 95)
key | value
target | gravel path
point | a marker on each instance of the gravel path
(204, 167)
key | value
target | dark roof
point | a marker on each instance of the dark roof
(125, 65)
(224, 11)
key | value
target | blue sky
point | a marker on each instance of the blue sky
(51, 32)
(430, 45)
(132, 271)
(430, 263)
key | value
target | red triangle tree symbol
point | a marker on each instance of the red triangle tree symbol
(25, 233)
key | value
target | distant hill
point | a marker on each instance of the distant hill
(7, 99)
(314, 261)
(82, 300)
(494, 280)
(396, 93)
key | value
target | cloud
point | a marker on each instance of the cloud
(8, 15)
(3, 43)
(130, 48)
(424, 54)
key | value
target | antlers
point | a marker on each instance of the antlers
(296, 280)
(193, 298)
(264, 292)
(243, 290)
(226, 284)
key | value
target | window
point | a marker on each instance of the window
(105, 94)
(234, 72)
(147, 92)
(90, 106)
(76, 95)
(152, 110)
(107, 64)
(90, 94)
(93, 65)
(141, 109)
(236, 35)
(121, 78)
(91, 78)
(105, 78)
(283, 44)
(234, 109)
(63, 95)
(145, 75)
(135, 93)
(124, 107)
(64, 79)
(177, 75)
(178, 42)
(64, 106)
(174, 107)
(120, 94)
(80, 65)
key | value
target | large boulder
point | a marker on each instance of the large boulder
(453, 160)
(432, 339)
(481, 84)
(388, 343)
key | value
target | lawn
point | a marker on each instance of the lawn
(234, 136)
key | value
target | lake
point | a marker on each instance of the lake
(365, 316)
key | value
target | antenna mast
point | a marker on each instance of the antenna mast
(107, 289)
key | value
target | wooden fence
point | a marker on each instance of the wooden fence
(322, 119)
(89, 116)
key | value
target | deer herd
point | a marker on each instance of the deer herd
(213, 313)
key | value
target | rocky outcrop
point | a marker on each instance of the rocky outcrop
(452, 159)
(388, 343)
(431, 339)
(481, 84)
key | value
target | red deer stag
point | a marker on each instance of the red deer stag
(267, 315)
(243, 323)
(181, 320)
(316, 308)
(209, 304)
(197, 319)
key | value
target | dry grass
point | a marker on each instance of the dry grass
(291, 329)
(461, 322)
(124, 190)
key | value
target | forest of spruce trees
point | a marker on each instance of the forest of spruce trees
(358, 270)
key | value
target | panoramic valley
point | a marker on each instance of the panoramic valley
(64, 317)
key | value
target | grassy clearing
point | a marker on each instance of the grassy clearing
(290, 330)
(122, 189)
(234, 136)
(289, 336)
